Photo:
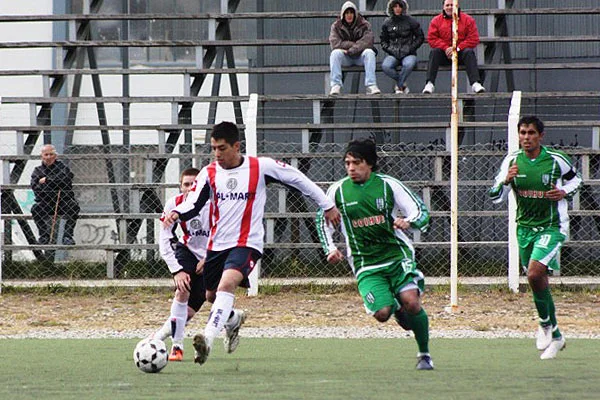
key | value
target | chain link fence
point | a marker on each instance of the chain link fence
(120, 200)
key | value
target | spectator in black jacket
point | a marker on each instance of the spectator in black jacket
(401, 36)
(52, 184)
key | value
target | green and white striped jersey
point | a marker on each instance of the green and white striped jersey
(534, 179)
(368, 212)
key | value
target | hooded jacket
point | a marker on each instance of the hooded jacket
(439, 35)
(401, 35)
(355, 37)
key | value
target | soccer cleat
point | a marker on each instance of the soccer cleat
(402, 319)
(478, 87)
(176, 354)
(201, 349)
(544, 337)
(335, 90)
(429, 88)
(373, 89)
(424, 362)
(232, 337)
(555, 346)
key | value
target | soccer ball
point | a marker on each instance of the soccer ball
(150, 355)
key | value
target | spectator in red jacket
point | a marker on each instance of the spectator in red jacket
(439, 37)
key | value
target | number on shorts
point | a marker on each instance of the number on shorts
(544, 241)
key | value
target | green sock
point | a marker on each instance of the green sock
(420, 326)
(542, 300)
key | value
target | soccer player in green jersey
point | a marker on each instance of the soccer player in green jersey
(377, 212)
(542, 180)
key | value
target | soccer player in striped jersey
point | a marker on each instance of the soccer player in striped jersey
(185, 259)
(377, 212)
(542, 180)
(236, 186)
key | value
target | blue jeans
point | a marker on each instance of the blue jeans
(339, 59)
(389, 68)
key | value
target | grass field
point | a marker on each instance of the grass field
(302, 369)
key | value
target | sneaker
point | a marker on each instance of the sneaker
(373, 89)
(478, 87)
(176, 354)
(335, 90)
(543, 337)
(429, 88)
(424, 362)
(68, 241)
(401, 90)
(232, 337)
(201, 349)
(555, 346)
(402, 319)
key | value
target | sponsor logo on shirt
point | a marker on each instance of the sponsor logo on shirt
(235, 196)
(532, 194)
(368, 221)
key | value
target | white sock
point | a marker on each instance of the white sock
(178, 320)
(219, 313)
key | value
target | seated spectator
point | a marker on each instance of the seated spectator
(439, 37)
(401, 36)
(351, 40)
(52, 184)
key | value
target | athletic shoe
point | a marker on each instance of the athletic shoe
(424, 362)
(478, 87)
(429, 88)
(402, 319)
(544, 337)
(401, 90)
(176, 354)
(201, 349)
(335, 90)
(556, 345)
(232, 337)
(373, 89)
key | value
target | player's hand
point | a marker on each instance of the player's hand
(401, 223)
(182, 281)
(332, 216)
(335, 256)
(555, 194)
(512, 172)
(200, 267)
(170, 219)
(42, 180)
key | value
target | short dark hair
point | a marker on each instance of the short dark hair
(532, 120)
(363, 149)
(226, 130)
(189, 172)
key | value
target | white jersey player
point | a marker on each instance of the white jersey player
(185, 260)
(236, 185)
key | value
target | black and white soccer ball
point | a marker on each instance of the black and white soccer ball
(150, 355)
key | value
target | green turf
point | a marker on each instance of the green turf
(302, 369)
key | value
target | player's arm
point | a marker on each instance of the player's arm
(195, 200)
(501, 187)
(290, 176)
(415, 213)
(167, 240)
(325, 231)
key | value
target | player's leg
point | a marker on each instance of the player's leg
(237, 263)
(543, 259)
(374, 288)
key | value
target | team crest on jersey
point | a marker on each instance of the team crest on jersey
(195, 224)
(231, 183)
(546, 179)
(370, 297)
(380, 203)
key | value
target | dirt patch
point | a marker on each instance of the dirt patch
(122, 310)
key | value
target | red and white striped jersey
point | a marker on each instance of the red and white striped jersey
(238, 196)
(195, 234)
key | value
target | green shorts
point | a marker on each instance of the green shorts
(540, 244)
(379, 287)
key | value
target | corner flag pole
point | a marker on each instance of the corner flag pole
(454, 168)
(252, 150)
